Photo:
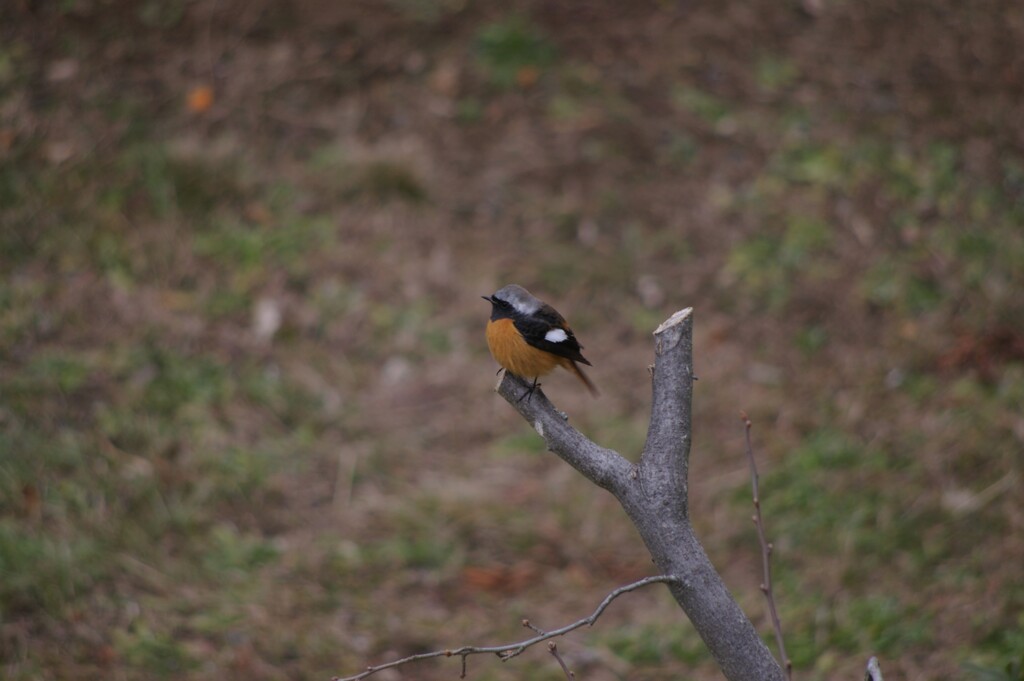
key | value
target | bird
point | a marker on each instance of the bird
(529, 338)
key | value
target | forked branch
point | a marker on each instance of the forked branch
(508, 651)
(654, 494)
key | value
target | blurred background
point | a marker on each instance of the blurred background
(247, 427)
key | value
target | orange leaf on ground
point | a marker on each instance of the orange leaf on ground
(200, 98)
(500, 578)
(527, 76)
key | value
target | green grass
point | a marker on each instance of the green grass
(1001, 657)
(771, 266)
(650, 646)
(159, 654)
(45, 571)
(934, 210)
(113, 446)
(704, 105)
(817, 630)
(510, 49)
(236, 555)
(774, 73)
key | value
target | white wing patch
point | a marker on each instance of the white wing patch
(556, 336)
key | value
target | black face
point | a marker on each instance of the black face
(500, 309)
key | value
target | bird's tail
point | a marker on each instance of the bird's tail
(574, 368)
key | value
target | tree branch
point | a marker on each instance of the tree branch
(766, 551)
(873, 671)
(565, 668)
(507, 652)
(603, 467)
(654, 494)
(664, 464)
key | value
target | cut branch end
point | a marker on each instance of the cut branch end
(677, 318)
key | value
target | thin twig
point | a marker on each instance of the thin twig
(507, 652)
(553, 648)
(766, 552)
(529, 625)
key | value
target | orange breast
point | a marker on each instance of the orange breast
(515, 354)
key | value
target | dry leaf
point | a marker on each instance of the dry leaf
(200, 98)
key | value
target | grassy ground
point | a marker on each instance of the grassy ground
(246, 420)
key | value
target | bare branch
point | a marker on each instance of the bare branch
(874, 671)
(558, 656)
(529, 625)
(766, 551)
(604, 467)
(654, 494)
(665, 462)
(507, 652)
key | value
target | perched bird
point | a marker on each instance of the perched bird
(529, 338)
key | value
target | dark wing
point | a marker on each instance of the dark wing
(535, 327)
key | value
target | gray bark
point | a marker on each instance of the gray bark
(654, 494)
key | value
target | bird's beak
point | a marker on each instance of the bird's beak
(488, 299)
